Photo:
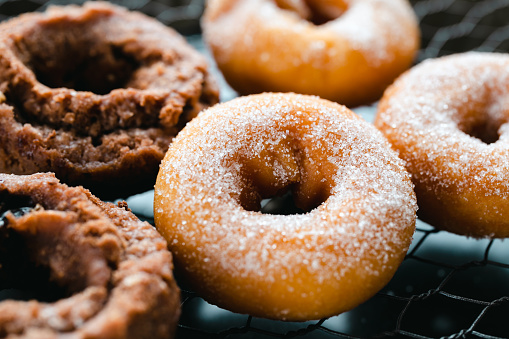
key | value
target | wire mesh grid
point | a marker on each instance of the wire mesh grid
(448, 286)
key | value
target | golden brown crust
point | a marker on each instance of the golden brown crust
(350, 59)
(95, 94)
(448, 118)
(111, 273)
(292, 267)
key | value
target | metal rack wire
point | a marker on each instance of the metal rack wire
(448, 286)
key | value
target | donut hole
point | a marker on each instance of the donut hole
(73, 58)
(485, 130)
(316, 12)
(281, 205)
(272, 182)
(484, 133)
(21, 278)
(285, 201)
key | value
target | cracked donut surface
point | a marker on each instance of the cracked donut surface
(89, 269)
(95, 94)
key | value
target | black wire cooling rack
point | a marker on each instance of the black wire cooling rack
(448, 286)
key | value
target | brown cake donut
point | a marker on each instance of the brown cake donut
(99, 271)
(449, 120)
(357, 194)
(95, 94)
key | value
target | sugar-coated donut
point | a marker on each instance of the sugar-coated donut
(291, 267)
(95, 94)
(448, 118)
(284, 46)
(84, 268)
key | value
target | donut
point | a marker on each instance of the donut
(88, 269)
(95, 94)
(346, 51)
(356, 196)
(448, 119)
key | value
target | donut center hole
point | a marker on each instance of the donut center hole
(280, 205)
(288, 204)
(21, 278)
(74, 58)
(486, 131)
(316, 12)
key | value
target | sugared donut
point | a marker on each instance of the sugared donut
(348, 51)
(359, 198)
(95, 94)
(85, 269)
(448, 120)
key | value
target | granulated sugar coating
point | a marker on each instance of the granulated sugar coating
(292, 267)
(351, 58)
(448, 119)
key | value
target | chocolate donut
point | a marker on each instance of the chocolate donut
(95, 94)
(88, 269)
